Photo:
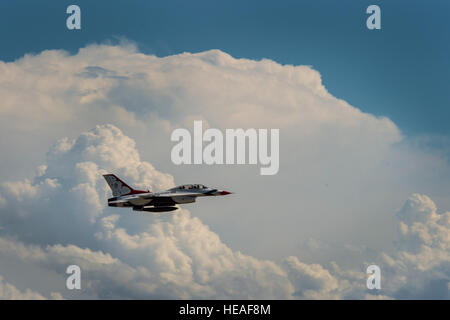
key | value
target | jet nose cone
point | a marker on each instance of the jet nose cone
(224, 193)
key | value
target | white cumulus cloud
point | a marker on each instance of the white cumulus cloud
(60, 218)
(342, 174)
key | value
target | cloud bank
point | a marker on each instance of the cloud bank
(335, 160)
(343, 174)
(59, 218)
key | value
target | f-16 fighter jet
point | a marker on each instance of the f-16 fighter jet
(141, 200)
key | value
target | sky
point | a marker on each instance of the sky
(401, 71)
(364, 169)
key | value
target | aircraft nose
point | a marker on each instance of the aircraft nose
(224, 193)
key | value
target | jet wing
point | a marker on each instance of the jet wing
(168, 195)
(120, 201)
(186, 194)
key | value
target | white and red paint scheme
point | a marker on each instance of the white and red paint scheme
(144, 200)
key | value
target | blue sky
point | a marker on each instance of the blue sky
(401, 71)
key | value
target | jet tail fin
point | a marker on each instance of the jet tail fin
(118, 187)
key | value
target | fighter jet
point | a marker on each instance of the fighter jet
(163, 201)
